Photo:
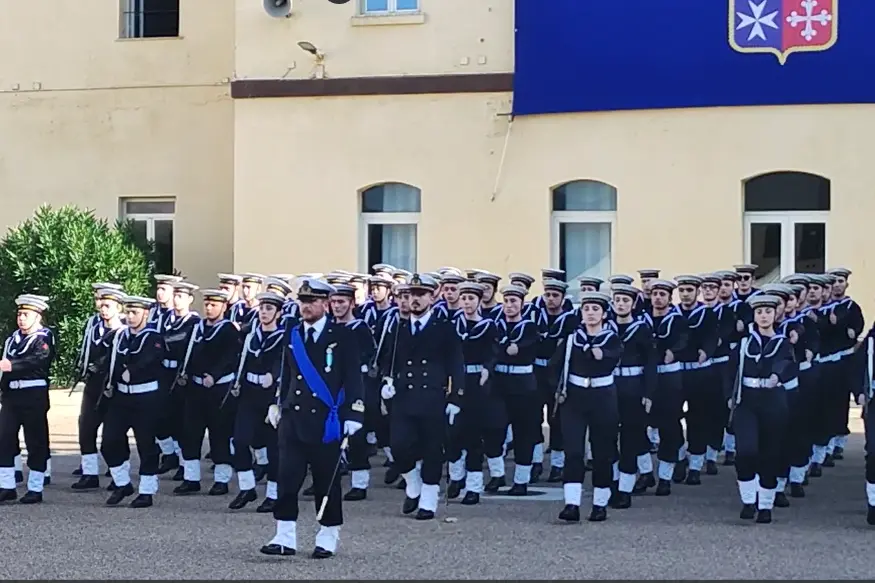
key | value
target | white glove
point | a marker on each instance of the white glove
(350, 427)
(126, 376)
(647, 404)
(273, 415)
(388, 391)
(267, 380)
(861, 400)
(452, 411)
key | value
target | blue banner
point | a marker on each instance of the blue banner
(603, 55)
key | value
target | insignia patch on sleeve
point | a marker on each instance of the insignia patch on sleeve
(358, 406)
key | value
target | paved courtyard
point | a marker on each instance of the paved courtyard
(694, 534)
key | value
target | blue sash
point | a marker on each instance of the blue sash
(318, 385)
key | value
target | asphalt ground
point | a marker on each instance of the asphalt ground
(693, 534)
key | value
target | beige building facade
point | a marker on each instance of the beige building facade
(391, 140)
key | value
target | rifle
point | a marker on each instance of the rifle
(234, 389)
(868, 388)
(181, 378)
(739, 380)
(84, 355)
(107, 392)
(562, 387)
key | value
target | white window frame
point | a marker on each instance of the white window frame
(590, 217)
(148, 218)
(129, 18)
(788, 221)
(384, 218)
(392, 8)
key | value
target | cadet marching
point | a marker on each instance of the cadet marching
(288, 376)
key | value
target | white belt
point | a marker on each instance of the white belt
(225, 379)
(628, 371)
(473, 368)
(255, 379)
(170, 363)
(754, 382)
(591, 382)
(135, 389)
(720, 359)
(666, 368)
(804, 365)
(697, 365)
(513, 369)
(791, 384)
(542, 361)
(28, 384)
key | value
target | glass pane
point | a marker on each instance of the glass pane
(392, 197)
(392, 244)
(787, 191)
(585, 249)
(810, 243)
(376, 5)
(140, 230)
(765, 251)
(585, 195)
(164, 246)
(150, 207)
(407, 4)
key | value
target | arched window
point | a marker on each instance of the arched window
(389, 218)
(583, 225)
(785, 220)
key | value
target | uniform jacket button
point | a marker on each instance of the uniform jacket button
(300, 377)
(424, 386)
(425, 373)
(312, 410)
(424, 362)
(410, 375)
(315, 396)
(409, 386)
(297, 392)
(297, 407)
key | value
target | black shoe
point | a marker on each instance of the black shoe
(107, 473)
(424, 514)
(838, 453)
(748, 511)
(218, 489)
(259, 472)
(47, 480)
(410, 505)
(320, 553)
(654, 448)
(598, 514)
(729, 458)
(187, 487)
(614, 492)
(142, 501)
(77, 472)
(112, 487)
(644, 482)
(694, 478)
(31, 497)
(209, 455)
(168, 463)
(387, 463)
(571, 513)
(588, 465)
(455, 488)
(401, 484)
(815, 471)
(371, 450)
(9, 495)
(392, 474)
(663, 488)
(680, 472)
(870, 516)
(494, 484)
(828, 462)
(179, 476)
(308, 491)
(19, 476)
(622, 500)
(120, 494)
(86, 483)
(266, 506)
(537, 472)
(805, 479)
(275, 550)
(243, 498)
(711, 468)
(764, 517)
(797, 491)
(470, 499)
(355, 494)
(518, 490)
(555, 475)
(781, 500)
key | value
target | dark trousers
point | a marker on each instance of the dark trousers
(728, 380)
(667, 410)
(698, 387)
(417, 438)
(92, 412)
(594, 409)
(760, 426)
(548, 400)
(171, 423)
(524, 415)
(633, 425)
(140, 413)
(797, 446)
(832, 388)
(294, 458)
(251, 431)
(469, 431)
(204, 411)
(25, 409)
(869, 425)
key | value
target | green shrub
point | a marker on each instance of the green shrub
(59, 253)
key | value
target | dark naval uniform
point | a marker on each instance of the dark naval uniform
(134, 404)
(24, 393)
(359, 464)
